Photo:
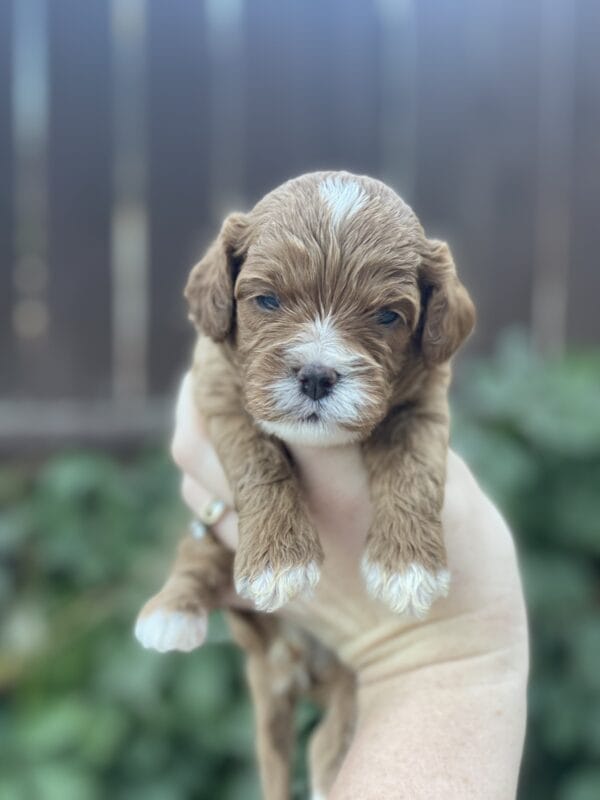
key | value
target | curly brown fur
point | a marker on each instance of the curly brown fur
(283, 664)
(363, 313)
(332, 252)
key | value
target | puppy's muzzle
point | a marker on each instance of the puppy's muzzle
(317, 381)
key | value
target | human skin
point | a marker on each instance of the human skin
(441, 701)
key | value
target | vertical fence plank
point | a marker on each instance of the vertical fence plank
(357, 91)
(448, 173)
(129, 218)
(397, 143)
(555, 162)
(29, 267)
(476, 78)
(583, 327)
(508, 145)
(225, 98)
(179, 175)
(276, 33)
(311, 90)
(507, 276)
(7, 345)
(79, 199)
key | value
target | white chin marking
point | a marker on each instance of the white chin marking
(318, 434)
(164, 630)
(342, 197)
(270, 590)
(411, 592)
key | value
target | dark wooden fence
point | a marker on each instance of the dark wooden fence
(128, 128)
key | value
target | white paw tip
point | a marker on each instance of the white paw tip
(270, 590)
(171, 630)
(412, 591)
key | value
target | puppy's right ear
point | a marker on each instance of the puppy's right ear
(209, 289)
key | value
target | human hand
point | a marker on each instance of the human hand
(441, 701)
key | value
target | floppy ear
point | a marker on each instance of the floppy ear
(449, 313)
(209, 290)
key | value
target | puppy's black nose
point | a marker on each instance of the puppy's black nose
(317, 381)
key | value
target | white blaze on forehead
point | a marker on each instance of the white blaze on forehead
(343, 197)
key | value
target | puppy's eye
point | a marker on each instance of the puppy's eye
(388, 317)
(268, 302)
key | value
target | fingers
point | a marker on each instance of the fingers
(197, 498)
(191, 449)
(468, 509)
(203, 476)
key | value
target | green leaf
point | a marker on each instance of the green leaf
(62, 781)
(586, 651)
(556, 584)
(13, 787)
(101, 740)
(582, 784)
(53, 728)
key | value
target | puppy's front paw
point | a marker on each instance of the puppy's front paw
(270, 588)
(411, 590)
(163, 628)
(279, 553)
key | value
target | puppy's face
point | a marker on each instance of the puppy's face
(333, 299)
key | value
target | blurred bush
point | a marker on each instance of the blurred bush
(530, 430)
(85, 713)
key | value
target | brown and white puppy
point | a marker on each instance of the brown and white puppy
(325, 317)
(335, 318)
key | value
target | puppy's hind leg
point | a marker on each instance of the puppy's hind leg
(272, 679)
(176, 618)
(335, 691)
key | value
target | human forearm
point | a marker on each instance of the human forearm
(453, 731)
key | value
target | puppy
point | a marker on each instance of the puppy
(325, 317)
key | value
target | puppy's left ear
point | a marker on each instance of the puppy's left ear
(449, 313)
(209, 289)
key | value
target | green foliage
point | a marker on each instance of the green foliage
(530, 430)
(85, 713)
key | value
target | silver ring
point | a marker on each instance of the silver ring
(212, 512)
(209, 516)
(198, 529)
